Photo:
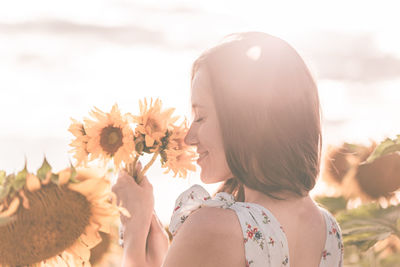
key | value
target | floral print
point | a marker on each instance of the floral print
(248, 263)
(264, 238)
(271, 241)
(266, 218)
(285, 261)
(254, 234)
(325, 253)
(183, 218)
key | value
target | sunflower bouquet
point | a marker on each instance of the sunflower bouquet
(124, 138)
(53, 219)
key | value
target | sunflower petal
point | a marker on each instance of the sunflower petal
(14, 205)
(80, 250)
(87, 187)
(64, 176)
(91, 236)
(32, 182)
(25, 200)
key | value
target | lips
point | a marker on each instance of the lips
(202, 156)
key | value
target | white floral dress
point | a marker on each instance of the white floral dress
(264, 238)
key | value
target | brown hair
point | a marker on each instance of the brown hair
(269, 113)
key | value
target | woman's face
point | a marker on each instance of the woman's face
(204, 132)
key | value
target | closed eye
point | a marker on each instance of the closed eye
(199, 120)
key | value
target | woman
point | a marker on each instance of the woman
(257, 129)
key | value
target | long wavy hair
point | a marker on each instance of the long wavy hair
(269, 113)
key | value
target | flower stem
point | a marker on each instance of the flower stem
(142, 173)
(131, 167)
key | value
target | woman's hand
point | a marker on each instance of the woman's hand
(137, 199)
(145, 240)
(157, 243)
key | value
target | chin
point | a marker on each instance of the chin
(206, 180)
(211, 179)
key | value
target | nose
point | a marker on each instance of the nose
(190, 138)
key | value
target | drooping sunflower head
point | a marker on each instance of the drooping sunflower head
(339, 161)
(110, 136)
(54, 218)
(152, 123)
(349, 171)
(380, 178)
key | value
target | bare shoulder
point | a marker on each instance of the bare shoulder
(209, 237)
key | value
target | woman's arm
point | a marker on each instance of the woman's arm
(157, 243)
(209, 237)
(145, 241)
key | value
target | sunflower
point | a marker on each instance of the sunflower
(58, 222)
(347, 169)
(80, 143)
(109, 251)
(381, 177)
(176, 155)
(340, 160)
(110, 136)
(152, 123)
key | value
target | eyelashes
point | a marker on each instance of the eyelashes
(199, 119)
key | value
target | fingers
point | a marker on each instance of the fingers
(135, 169)
(145, 184)
(124, 182)
(124, 178)
(138, 165)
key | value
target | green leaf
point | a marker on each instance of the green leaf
(73, 171)
(366, 225)
(386, 147)
(54, 178)
(43, 170)
(5, 189)
(73, 179)
(333, 204)
(2, 177)
(20, 179)
(365, 241)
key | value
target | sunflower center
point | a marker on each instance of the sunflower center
(111, 139)
(56, 218)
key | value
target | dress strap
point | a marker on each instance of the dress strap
(334, 250)
(194, 198)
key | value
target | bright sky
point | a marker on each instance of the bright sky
(61, 58)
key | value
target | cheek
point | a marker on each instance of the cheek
(209, 136)
(214, 168)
